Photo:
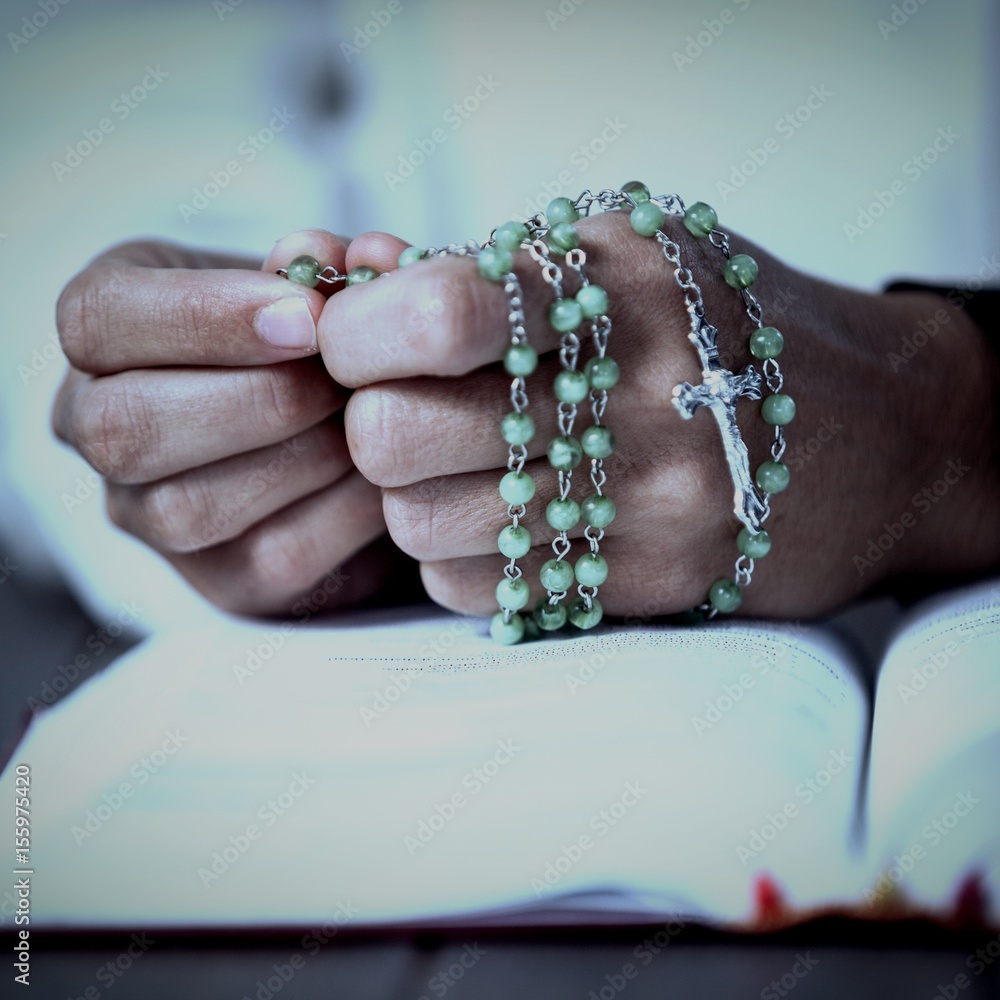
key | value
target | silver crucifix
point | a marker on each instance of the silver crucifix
(719, 390)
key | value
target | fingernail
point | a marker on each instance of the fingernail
(287, 323)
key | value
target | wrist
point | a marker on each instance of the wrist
(951, 379)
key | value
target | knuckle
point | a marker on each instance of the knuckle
(77, 304)
(273, 403)
(117, 430)
(414, 518)
(376, 434)
(277, 561)
(176, 515)
(84, 313)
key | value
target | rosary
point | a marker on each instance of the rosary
(553, 243)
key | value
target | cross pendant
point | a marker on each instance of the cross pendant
(719, 390)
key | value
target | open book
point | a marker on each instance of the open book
(397, 767)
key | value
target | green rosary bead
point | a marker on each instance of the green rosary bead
(598, 510)
(571, 387)
(359, 275)
(700, 219)
(517, 428)
(740, 271)
(766, 342)
(647, 218)
(512, 595)
(507, 633)
(583, 618)
(410, 256)
(514, 542)
(563, 237)
(550, 617)
(510, 236)
(778, 409)
(565, 453)
(563, 515)
(561, 210)
(304, 270)
(725, 596)
(517, 488)
(772, 477)
(753, 546)
(556, 575)
(593, 301)
(602, 372)
(565, 315)
(494, 264)
(591, 570)
(636, 190)
(520, 360)
(598, 442)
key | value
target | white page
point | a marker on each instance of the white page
(934, 802)
(598, 722)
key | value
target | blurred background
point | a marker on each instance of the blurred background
(857, 141)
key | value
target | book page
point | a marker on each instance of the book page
(401, 767)
(934, 802)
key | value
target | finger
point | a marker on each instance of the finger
(377, 250)
(214, 503)
(434, 317)
(140, 306)
(450, 517)
(141, 426)
(265, 570)
(638, 584)
(326, 248)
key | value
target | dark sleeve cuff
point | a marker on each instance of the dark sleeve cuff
(980, 303)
